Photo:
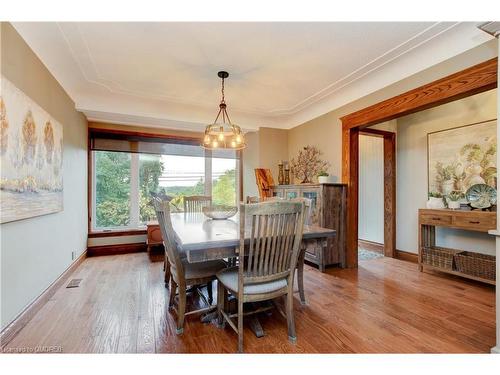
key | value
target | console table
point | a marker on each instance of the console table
(429, 219)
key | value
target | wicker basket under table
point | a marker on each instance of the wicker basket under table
(476, 264)
(438, 257)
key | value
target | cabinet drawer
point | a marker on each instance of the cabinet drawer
(475, 223)
(435, 219)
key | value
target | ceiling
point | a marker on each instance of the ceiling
(281, 74)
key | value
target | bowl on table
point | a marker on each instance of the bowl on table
(219, 211)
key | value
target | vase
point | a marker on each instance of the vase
(453, 204)
(287, 176)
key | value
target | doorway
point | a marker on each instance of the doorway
(376, 194)
(371, 198)
(473, 80)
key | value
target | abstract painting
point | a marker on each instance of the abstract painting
(461, 157)
(31, 157)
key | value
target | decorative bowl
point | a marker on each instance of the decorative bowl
(481, 196)
(219, 211)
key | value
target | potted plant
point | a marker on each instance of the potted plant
(323, 177)
(446, 177)
(453, 199)
(435, 200)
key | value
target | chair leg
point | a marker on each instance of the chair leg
(289, 317)
(210, 286)
(173, 289)
(181, 310)
(167, 272)
(240, 325)
(221, 301)
(300, 277)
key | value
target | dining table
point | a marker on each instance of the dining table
(201, 239)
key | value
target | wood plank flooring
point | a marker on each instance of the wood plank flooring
(385, 306)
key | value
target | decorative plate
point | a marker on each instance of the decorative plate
(481, 196)
(219, 212)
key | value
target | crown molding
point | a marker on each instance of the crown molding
(492, 28)
(103, 100)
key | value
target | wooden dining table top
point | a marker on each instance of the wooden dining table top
(195, 231)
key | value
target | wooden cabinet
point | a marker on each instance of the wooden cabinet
(328, 211)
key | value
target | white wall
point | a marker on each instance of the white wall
(371, 189)
(35, 252)
(411, 171)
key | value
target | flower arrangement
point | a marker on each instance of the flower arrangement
(308, 164)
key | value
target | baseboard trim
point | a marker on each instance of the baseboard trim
(407, 256)
(20, 321)
(372, 246)
(128, 248)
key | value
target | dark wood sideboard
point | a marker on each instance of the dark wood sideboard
(328, 211)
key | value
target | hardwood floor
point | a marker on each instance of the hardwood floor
(385, 306)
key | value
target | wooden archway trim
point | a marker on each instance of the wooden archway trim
(473, 80)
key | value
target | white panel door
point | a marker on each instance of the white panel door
(371, 189)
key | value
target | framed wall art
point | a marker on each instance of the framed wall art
(31, 157)
(461, 157)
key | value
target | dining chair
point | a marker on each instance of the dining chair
(183, 273)
(195, 203)
(166, 264)
(307, 209)
(267, 262)
(302, 252)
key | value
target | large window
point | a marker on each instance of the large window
(126, 170)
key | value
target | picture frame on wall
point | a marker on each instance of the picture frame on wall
(462, 156)
(31, 157)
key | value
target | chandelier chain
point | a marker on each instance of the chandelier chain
(223, 99)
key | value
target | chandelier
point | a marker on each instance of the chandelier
(223, 135)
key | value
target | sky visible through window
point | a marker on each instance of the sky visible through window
(188, 170)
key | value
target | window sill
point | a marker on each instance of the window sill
(117, 233)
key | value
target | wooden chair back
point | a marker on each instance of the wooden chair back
(307, 209)
(162, 210)
(195, 203)
(161, 195)
(275, 238)
(307, 204)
